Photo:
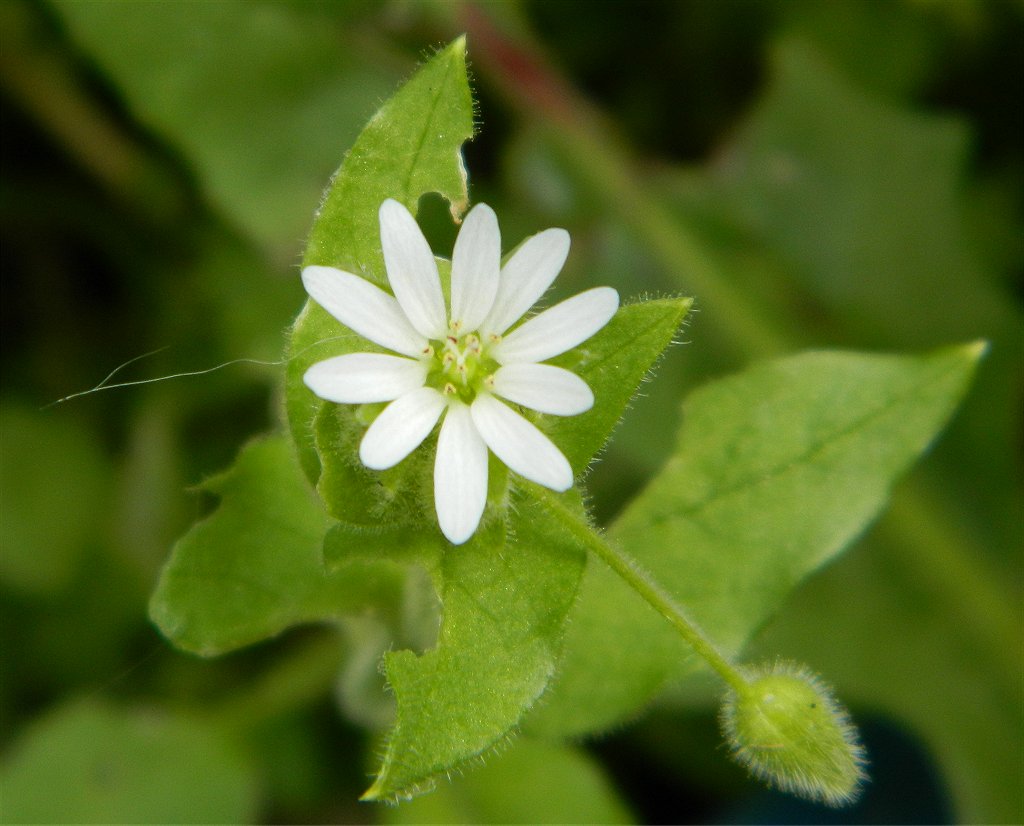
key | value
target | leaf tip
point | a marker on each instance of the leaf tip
(977, 349)
(372, 794)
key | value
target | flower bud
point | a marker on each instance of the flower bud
(787, 728)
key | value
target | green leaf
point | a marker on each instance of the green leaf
(861, 204)
(90, 763)
(505, 594)
(532, 782)
(254, 567)
(613, 363)
(776, 470)
(862, 208)
(411, 147)
(260, 97)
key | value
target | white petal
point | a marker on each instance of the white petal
(363, 308)
(525, 278)
(460, 475)
(544, 388)
(358, 378)
(476, 262)
(520, 445)
(558, 328)
(412, 271)
(401, 428)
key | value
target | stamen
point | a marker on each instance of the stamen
(460, 361)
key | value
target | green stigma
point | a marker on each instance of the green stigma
(460, 366)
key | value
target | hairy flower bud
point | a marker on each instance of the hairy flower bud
(788, 729)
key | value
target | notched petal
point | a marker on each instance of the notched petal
(520, 445)
(476, 263)
(364, 308)
(544, 388)
(525, 277)
(460, 475)
(360, 378)
(401, 428)
(412, 271)
(558, 328)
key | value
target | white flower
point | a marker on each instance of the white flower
(461, 364)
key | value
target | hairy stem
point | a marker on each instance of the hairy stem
(644, 585)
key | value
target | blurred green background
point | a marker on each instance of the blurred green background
(817, 174)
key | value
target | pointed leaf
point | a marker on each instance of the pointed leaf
(412, 146)
(613, 364)
(505, 593)
(253, 567)
(776, 470)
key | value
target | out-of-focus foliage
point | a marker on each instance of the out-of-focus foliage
(119, 766)
(821, 174)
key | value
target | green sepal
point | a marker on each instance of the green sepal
(787, 728)
(614, 363)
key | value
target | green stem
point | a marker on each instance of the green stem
(644, 585)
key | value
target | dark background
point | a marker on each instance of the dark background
(160, 165)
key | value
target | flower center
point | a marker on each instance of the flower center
(459, 365)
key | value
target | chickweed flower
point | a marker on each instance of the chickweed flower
(460, 365)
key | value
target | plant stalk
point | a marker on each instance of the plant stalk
(635, 577)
